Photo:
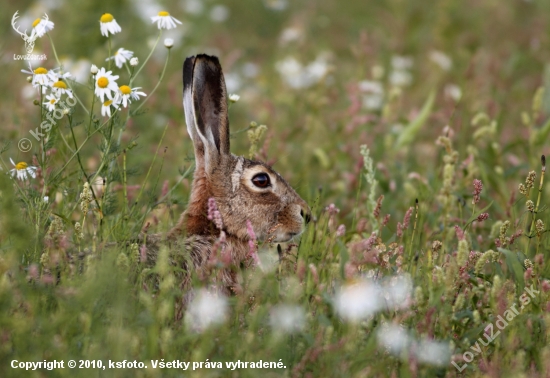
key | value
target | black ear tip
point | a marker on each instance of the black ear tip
(204, 62)
(208, 58)
(210, 61)
(188, 66)
(190, 61)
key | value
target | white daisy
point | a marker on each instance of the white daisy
(234, 97)
(22, 169)
(206, 310)
(165, 21)
(134, 61)
(108, 24)
(42, 25)
(105, 84)
(93, 69)
(56, 76)
(60, 87)
(106, 107)
(40, 77)
(127, 94)
(219, 13)
(51, 102)
(168, 43)
(121, 56)
(287, 318)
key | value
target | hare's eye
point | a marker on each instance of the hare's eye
(261, 180)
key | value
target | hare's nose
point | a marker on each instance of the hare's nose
(305, 213)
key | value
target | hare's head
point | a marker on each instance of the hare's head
(243, 189)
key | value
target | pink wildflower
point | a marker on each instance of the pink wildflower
(376, 211)
(478, 186)
(399, 230)
(214, 214)
(407, 218)
(483, 216)
(252, 248)
(332, 209)
(459, 233)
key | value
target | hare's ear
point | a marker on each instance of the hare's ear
(210, 109)
(189, 109)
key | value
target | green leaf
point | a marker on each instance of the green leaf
(541, 135)
(410, 131)
(344, 258)
(515, 267)
(474, 217)
(323, 158)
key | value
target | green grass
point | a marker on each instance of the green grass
(326, 78)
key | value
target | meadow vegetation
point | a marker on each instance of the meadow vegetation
(415, 130)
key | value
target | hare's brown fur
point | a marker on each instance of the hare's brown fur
(275, 212)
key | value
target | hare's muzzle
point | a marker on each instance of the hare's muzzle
(303, 216)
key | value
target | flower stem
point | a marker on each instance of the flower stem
(543, 170)
(412, 239)
(151, 166)
(125, 189)
(92, 108)
(133, 76)
(82, 166)
(68, 82)
(109, 44)
(128, 69)
(146, 59)
(156, 86)
(80, 147)
(145, 100)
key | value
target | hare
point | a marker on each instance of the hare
(242, 189)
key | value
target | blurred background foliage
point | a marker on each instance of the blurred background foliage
(498, 51)
(325, 77)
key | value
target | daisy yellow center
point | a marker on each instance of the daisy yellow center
(107, 17)
(108, 102)
(21, 166)
(164, 14)
(102, 82)
(60, 84)
(125, 89)
(52, 101)
(40, 71)
(36, 22)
